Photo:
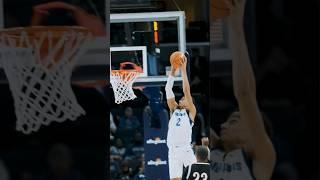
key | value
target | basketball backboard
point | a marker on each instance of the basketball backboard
(160, 33)
(136, 54)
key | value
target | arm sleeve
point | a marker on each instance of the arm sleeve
(168, 88)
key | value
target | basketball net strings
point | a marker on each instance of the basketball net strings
(122, 85)
(42, 95)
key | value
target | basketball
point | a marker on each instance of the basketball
(176, 59)
(220, 9)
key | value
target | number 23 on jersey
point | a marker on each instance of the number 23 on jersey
(198, 176)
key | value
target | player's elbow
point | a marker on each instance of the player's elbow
(243, 94)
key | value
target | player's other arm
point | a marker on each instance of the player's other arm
(172, 104)
(262, 150)
(186, 90)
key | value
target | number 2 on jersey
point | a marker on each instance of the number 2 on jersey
(178, 122)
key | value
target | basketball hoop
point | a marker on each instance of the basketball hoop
(122, 81)
(38, 63)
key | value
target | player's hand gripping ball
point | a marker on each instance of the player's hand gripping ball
(176, 59)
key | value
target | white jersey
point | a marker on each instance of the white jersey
(179, 129)
(229, 166)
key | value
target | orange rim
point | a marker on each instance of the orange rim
(36, 33)
(34, 30)
(123, 71)
(134, 66)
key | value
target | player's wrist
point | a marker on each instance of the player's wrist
(235, 22)
(237, 15)
(184, 71)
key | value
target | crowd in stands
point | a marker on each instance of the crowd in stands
(127, 146)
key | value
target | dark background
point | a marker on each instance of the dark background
(296, 31)
(286, 66)
(285, 58)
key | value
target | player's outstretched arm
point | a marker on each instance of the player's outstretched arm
(186, 90)
(172, 104)
(262, 150)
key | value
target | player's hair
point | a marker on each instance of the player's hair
(202, 153)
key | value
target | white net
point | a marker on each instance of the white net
(122, 82)
(40, 85)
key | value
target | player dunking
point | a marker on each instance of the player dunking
(180, 125)
(244, 151)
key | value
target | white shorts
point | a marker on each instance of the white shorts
(179, 157)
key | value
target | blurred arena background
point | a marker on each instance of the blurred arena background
(282, 43)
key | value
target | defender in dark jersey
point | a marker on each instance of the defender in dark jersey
(244, 150)
(201, 169)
